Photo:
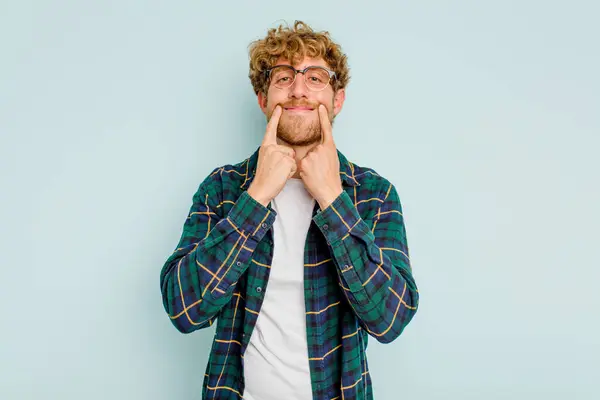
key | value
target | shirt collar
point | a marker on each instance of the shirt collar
(346, 170)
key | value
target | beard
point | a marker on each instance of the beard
(299, 130)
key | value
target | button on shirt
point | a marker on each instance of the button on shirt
(357, 272)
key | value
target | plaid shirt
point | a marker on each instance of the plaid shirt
(357, 278)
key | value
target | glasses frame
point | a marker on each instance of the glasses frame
(303, 72)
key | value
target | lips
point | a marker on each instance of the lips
(299, 108)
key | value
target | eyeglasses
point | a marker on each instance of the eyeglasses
(316, 78)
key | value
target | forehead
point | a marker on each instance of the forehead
(304, 62)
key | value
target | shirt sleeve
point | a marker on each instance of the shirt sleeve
(372, 264)
(214, 250)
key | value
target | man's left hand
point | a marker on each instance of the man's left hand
(320, 168)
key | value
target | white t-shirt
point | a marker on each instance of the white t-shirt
(276, 359)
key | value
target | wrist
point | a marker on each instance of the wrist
(257, 196)
(326, 200)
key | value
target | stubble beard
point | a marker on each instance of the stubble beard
(296, 131)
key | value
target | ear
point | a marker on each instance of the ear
(338, 101)
(262, 102)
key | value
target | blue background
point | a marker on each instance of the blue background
(484, 114)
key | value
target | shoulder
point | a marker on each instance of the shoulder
(371, 182)
(224, 182)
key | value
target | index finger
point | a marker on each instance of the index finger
(271, 131)
(326, 132)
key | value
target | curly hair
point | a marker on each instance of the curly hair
(294, 44)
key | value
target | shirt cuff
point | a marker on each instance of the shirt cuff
(338, 219)
(251, 216)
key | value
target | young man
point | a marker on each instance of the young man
(298, 254)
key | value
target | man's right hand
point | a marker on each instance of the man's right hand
(276, 164)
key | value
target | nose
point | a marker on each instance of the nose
(298, 88)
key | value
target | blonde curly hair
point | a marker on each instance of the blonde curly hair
(294, 44)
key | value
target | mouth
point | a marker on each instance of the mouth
(298, 109)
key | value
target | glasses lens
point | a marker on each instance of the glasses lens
(282, 77)
(317, 78)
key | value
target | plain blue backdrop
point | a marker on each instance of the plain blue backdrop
(484, 114)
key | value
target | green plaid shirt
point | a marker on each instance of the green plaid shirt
(357, 278)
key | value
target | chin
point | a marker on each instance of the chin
(295, 134)
(298, 140)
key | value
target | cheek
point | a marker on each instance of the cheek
(328, 101)
(275, 97)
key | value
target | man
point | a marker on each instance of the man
(298, 254)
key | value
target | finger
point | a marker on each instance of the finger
(288, 151)
(293, 169)
(294, 164)
(271, 131)
(326, 131)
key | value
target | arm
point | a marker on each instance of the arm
(214, 250)
(373, 266)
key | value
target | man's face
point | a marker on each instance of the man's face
(299, 123)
